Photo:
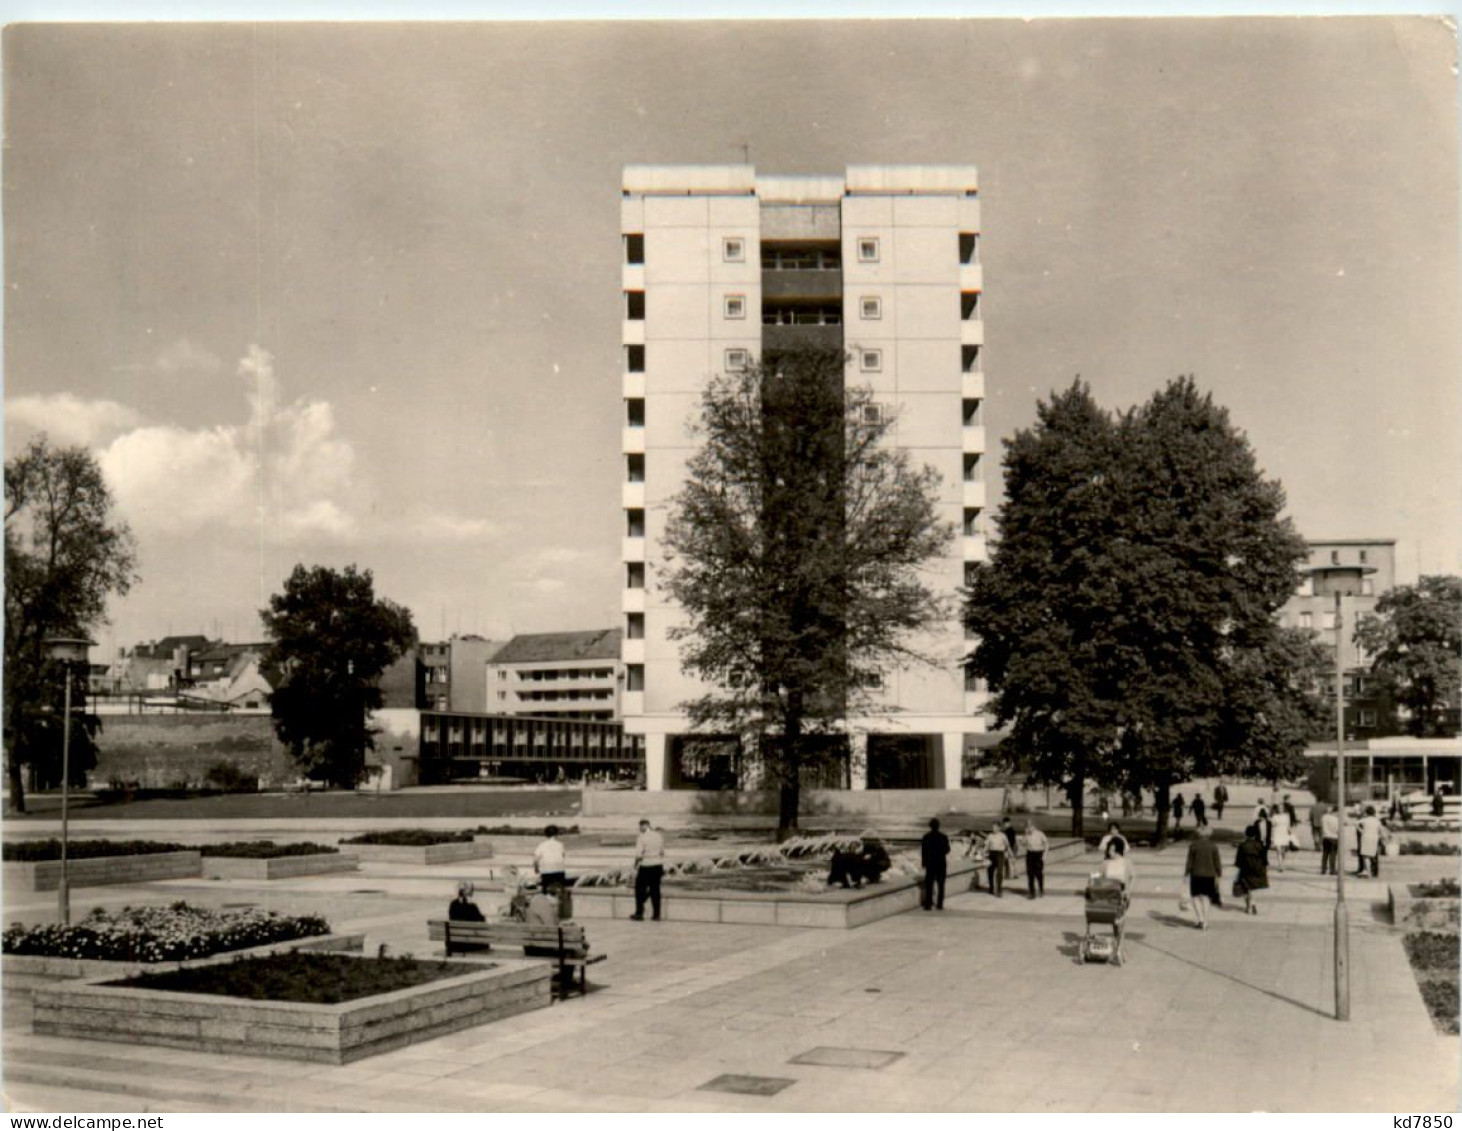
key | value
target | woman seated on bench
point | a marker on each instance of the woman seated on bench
(462, 909)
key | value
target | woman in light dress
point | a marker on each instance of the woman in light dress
(1283, 834)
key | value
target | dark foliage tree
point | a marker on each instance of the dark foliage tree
(65, 554)
(1126, 618)
(795, 549)
(1415, 637)
(330, 640)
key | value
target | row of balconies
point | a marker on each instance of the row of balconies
(632, 387)
(807, 283)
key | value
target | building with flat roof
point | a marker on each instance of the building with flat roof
(567, 675)
(720, 265)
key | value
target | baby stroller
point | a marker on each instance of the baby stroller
(1106, 904)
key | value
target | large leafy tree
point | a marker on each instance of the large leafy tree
(1415, 637)
(794, 548)
(1126, 618)
(66, 553)
(330, 640)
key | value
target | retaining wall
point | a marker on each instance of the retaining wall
(423, 853)
(278, 867)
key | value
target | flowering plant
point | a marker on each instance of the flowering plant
(160, 934)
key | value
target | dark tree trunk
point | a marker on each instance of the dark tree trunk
(1076, 791)
(790, 793)
(1161, 803)
(17, 784)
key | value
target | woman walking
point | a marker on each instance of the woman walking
(1251, 862)
(1283, 833)
(1177, 811)
(1201, 872)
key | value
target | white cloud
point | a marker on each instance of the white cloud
(183, 356)
(69, 419)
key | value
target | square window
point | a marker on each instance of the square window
(868, 249)
(870, 361)
(735, 306)
(737, 360)
(872, 307)
(733, 249)
(872, 414)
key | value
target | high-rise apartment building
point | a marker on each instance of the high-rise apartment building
(721, 264)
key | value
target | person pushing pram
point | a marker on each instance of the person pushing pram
(1108, 895)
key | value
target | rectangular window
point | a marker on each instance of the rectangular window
(1328, 622)
(634, 626)
(872, 308)
(634, 359)
(634, 412)
(635, 523)
(635, 467)
(735, 306)
(1367, 587)
(634, 677)
(972, 467)
(970, 409)
(969, 247)
(1307, 620)
(969, 305)
(972, 524)
(634, 305)
(1363, 557)
(733, 249)
(868, 249)
(972, 681)
(1334, 557)
(737, 360)
(969, 359)
(971, 571)
(870, 361)
(634, 575)
(634, 248)
(1368, 718)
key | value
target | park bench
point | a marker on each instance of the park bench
(565, 944)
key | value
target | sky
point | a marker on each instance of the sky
(349, 293)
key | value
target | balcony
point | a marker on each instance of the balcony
(633, 332)
(971, 277)
(632, 441)
(973, 494)
(774, 338)
(972, 333)
(632, 703)
(633, 386)
(973, 439)
(972, 386)
(778, 284)
(632, 276)
(974, 547)
(632, 550)
(632, 601)
(632, 651)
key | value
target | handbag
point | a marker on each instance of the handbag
(1184, 903)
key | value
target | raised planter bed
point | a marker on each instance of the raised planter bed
(330, 1034)
(1420, 912)
(423, 853)
(23, 974)
(834, 909)
(95, 871)
(278, 867)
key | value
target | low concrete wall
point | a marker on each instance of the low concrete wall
(422, 853)
(96, 871)
(330, 1034)
(834, 909)
(1421, 913)
(815, 802)
(278, 867)
(21, 974)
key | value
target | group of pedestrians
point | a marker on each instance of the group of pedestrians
(1002, 845)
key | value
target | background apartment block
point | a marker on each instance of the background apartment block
(722, 265)
(570, 675)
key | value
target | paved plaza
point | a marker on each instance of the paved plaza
(982, 1007)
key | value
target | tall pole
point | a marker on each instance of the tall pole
(64, 890)
(1342, 916)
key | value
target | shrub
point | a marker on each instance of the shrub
(411, 837)
(1442, 889)
(509, 830)
(267, 849)
(1426, 848)
(28, 851)
(160, 934)
(298, 976)
(226, 777)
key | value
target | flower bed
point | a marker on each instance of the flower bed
(160, 934)
(1441, 889)
(267, 849)
(1429, 848)
(30, 851)
(1434, 963)
(412, 838)
(302, 976)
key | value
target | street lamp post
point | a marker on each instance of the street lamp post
(1340, 581)
(70, 651)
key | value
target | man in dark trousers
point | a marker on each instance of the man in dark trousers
(1220, 799)
(934, 850)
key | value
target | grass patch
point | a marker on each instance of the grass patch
(308, 978)
(160, 934)
(1441, 889)
(411, 838)
(1434, 963)
(267, 849)
(30, 851)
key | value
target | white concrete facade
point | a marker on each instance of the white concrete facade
(884, 261)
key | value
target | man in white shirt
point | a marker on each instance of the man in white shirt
(1329, 842)
(548, 862)
(649, 869)
(996, 846)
